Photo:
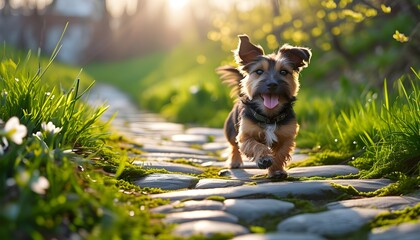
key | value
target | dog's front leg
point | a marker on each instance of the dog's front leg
(281, 155)
(255, 150)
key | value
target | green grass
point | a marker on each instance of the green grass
(60, 75)
(377, 132)
(385, 129)
(396, 145)
(34, 102)
(46, 190)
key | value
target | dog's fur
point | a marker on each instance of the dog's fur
(262, 124)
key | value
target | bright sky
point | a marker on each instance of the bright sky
(117, 7)
(175, 8)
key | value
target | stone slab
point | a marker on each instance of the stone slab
(209, 183)
(205, 131)
(404, 231)
(249, 210)
(140, 140)
(157, 126)
(322, 171)
(215, 146)
(250, 170)
(151, 148)
(171, 167)
(191, 205)
(224, 164)
(209, 215)
(208, 228)
(314, 190)
(279, 236)
(189, 138)
(390, 202)
(333, 223)
(243, 174)
(299, 157)
(196, 158)
(167, 181)
(220, 139)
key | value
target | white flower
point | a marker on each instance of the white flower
(50, 128)
(40, 185)
(15, 131)
(38, 134)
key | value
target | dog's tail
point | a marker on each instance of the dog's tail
(232, 77)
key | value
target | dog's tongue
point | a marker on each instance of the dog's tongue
(270, 100)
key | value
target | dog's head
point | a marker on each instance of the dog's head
(270, 80)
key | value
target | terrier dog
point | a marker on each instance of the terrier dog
(262, 125)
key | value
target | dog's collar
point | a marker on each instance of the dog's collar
(284, 115)
(266, 120)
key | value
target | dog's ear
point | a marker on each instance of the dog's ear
(246, 51)
(298, 56)
(232, 77)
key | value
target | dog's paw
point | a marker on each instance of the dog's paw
(278, 175)
(235, 164)
(264, 162)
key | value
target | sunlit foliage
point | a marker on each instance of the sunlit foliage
(349, 30)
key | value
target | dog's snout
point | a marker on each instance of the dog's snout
(272, 86)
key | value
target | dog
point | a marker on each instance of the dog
(262, 125)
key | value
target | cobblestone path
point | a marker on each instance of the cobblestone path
(240, 200)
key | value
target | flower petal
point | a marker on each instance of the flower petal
(17, 137)
(15, 131)
(11, 124)
(40, 185)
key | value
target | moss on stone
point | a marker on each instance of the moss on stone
(403, 185)
(211, 172)
(257, 229)
(409, 214)
(302, 206)
(326, 157)
(216, 198)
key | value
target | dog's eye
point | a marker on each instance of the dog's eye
(259, 72)
(283, 72)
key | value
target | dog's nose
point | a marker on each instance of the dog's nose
(272, 86)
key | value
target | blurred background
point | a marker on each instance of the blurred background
(163, 52)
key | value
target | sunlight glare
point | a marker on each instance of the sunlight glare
(117, 8)
(177, 11)
(177, 5)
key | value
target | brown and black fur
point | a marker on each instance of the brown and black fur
(263, 132)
